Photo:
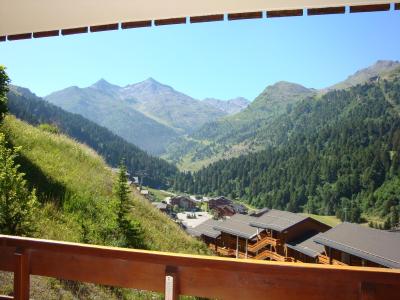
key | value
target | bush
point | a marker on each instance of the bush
(17, 203)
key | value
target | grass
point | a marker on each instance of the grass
(328, 220)
(159, 195)
(75, 187)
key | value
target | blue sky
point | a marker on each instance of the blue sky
(220, 59)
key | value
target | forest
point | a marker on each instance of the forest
(336, 153)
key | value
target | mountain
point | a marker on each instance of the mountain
(381, 67)
(101, 104)
(148, 114)
(239, 133)
(229, 107)
(330, 154)
(34, 110)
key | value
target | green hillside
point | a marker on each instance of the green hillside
(34, 110)
(330, 154)
(74, 187)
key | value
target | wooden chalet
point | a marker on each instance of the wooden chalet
(282, 227)
(357, 245)
(273, 235)
(183, 202)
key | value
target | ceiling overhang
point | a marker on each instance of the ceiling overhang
(21, 19)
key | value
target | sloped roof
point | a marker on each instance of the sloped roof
(206, 228)
(238, 225)
(307, 246)
(379, 246)
(278, 220)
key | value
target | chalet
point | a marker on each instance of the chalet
(183, 202)
(305, 249)
(282, 227)
(226, 207)
(357, 245)
(273, 235)
(236, 236)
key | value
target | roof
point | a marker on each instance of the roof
(160, 205)
(307, 246)
(238, 225)
(378, 246)
(206, 228)
(43, 16)
(277, 220)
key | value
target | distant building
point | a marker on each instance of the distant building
(226, 207)
(164, 207)
(183, 202)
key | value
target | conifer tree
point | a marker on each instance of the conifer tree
(130, 228)
(17, 203)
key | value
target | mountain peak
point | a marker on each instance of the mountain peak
(379, 68)
(104, 85)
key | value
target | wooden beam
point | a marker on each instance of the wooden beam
(245, 16)
(171, 21)
(105, 27)
(326, 11)
(284, 13)
(369, 8)
(74, 30)
(23, 36)
(136, 24)
(21, 275)
(43, 34)
(202, 276)
(210, 18)
(171, 283)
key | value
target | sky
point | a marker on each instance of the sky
(218, 59)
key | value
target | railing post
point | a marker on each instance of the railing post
(171, 283)
(21, 275)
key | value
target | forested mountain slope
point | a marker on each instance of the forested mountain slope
(239, 133)
(34, 110)
(333, 152)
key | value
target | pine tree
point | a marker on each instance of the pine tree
(17, 203)
(130, 228)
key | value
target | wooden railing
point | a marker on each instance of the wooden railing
(179, 274)
(323, 259)
(273, 256)
(259, 244)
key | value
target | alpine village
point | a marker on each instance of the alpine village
(300, 176)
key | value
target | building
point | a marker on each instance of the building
(183, 202)
(271, 235)
(163, 207)
(282, 227)
(226, 207)
(357, 245)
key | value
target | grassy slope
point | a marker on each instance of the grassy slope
(328, 220)
(88, 183)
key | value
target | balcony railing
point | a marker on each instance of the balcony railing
(180, 274)
(273, 256)
(323, 259)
